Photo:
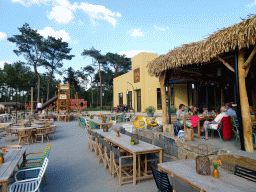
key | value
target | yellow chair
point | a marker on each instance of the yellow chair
(44, 152)
(140, 118)
(149, 122)
(137, 123)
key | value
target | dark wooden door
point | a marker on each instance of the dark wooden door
(139, 100)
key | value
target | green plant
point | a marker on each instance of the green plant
(150, 109)
(173, 109)
(216, 163)
(132, 140)
(1, 154)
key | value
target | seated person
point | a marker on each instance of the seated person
(205, 113)
(217, 119)
(117, 108)
(181, 114)
(230, 111)
(126, 108)
(194, 117)
(123, 109)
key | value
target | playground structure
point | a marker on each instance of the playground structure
(63, 102)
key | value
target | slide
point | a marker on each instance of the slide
(50, 101)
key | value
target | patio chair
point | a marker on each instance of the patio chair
(101, 149)
(10, 132)
(25, 182)
(162, 180)
(48, 147)
(145, 139)
(224, 125)
(140, 118)
(127, 133)
(120, 118)
(41, 132)
(245, 173)
(137, 124)
(106, 155)
(236, 125)
(159, 121)
(91, 141)
(25, 135)
(121, 165)
(52, 130)
(180, 122)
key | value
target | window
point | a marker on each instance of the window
(129, 99)
(120, 99)
(159, 99)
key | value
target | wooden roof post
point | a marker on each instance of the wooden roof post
(163, 98)
(245, 111)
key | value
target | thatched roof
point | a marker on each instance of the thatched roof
(240, 35)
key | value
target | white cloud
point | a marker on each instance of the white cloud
(63, 11)
(160, 28)
(28, 3)
(99, 12)
(48, 31)
(136, 33)
(252, 4)
(131, 53)
(2, 64)
(3, 36)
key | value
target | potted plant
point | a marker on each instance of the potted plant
(132, 141)
(215, 164)
(150, 111)
(117, 132)
(24, 125)
(1, 158)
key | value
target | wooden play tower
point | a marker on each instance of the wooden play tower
(63, 102)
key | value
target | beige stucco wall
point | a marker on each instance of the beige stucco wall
(147, 84)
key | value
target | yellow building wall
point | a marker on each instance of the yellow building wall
(148, 85)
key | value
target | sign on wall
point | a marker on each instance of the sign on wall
(136, 75)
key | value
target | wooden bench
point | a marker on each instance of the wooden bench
(245, 173)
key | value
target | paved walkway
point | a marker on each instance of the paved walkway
(72, 167)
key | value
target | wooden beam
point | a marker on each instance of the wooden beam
(163, 96)
(194, 72)
(249, 59)
(226, 64)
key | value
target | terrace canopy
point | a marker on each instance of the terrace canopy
(231, 49)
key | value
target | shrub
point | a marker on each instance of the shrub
(150, 109)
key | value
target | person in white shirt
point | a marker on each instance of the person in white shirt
(217, 119)
(39, 107)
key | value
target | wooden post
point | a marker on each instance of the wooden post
(31, 101)
(222, 97)
(245, 111)
(163, 97)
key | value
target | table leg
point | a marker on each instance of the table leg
(4, 186)
(198, 129)
(146, 164)
(161, 155)
(134, 169)
(112, 126)
(100, 126)
(139, 166)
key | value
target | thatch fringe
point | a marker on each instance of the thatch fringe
(241, 35)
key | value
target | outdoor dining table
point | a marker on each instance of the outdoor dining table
(185, 170)
(99, 122)
(31, 127)
(38, 122)
(11, 160)
(123, 141)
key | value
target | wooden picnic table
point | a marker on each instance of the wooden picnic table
(185, 170)
(99, 122)
(11, 160)
(123, 141)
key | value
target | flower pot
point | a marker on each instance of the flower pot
(150, 114)
(117, 135)
(215, 173)
(1, 159)
(132, 143)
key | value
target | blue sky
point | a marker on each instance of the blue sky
(124, 27)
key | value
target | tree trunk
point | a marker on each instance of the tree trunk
(48, 87)
(100, 88)
(38, 84)
(163, 96)
(245, 111)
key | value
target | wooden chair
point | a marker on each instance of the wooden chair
(101, 149)
(106, 155)
(162, 180)
(41, 132)
(52, 130)
(8, 131)
(145, 139)
(245, 173)
(121, 166)
(25, 134)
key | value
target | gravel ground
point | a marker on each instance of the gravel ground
(72, 167)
